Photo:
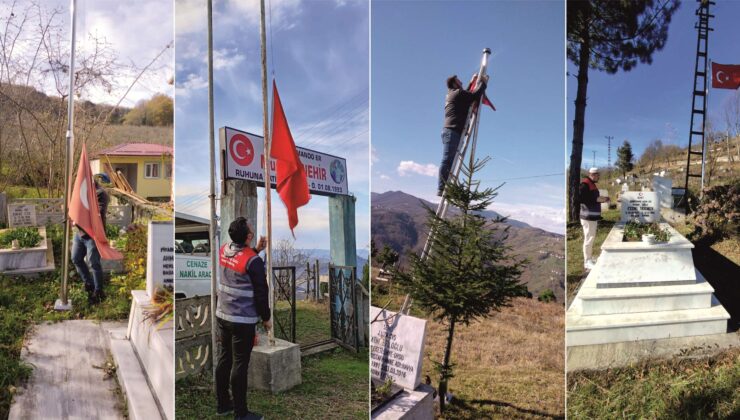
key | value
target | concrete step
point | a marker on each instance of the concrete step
(136, 390)
(599, 329)
(624, 300)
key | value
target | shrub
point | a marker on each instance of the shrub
(28, 237)
(547, 296)
(718, 212)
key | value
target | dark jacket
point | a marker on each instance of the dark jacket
(457, 104)
(589, 194)
(103, 201)
(242, 291)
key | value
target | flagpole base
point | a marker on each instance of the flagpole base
(59, 306)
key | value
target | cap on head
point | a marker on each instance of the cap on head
(239, 230)
(593, 171)
(102, 177)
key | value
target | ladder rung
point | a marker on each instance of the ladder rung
(698, 111)
(691, 152)
(700, 93)
(701, 73)
(695, 175)
(701, 54)
(697, 133)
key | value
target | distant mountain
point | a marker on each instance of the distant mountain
(398, 220)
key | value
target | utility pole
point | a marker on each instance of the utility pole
(594, 161)
(609, 155)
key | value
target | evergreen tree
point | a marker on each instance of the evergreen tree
(469, 272)
(625, 158)
(609, 36)
(387, 257)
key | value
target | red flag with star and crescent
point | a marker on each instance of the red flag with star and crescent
(484, 99)
(725, 76)
(291, 181)
(84, 210)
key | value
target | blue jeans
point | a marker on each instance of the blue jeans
(80, 248)
(450, 142)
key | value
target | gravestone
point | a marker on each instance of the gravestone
(663, 187)
(160, 256)
(641, 206)
(625, 187)
(21, 215)
(604, 193)
(396, 347)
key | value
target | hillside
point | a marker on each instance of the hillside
(398, 220)
(509, 365)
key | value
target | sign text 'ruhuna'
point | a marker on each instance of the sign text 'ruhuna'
(243, 158)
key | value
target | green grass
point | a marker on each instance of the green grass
(682, 388)
(335, 385)
(25, 302)
(24, 191)
(574, 234)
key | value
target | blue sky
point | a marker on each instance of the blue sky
(417, 45)
(654, 101)
(319, 52)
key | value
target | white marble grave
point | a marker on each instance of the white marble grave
(639, 291)
(21, 215)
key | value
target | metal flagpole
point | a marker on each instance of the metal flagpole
(268, 186)
(63, 304)
(213, 228)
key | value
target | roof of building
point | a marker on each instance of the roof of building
(136, 149)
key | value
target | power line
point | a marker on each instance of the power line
(524, 177)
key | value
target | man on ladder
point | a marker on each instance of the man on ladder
(457, 104)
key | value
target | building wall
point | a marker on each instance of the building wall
(145, 187)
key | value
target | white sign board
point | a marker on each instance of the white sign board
(192, 275)
(396, 347)
(243, 158)
(641, 206)
(663, 187)
(160, 256)
(20, 215)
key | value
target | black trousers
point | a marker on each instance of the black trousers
(235, 342)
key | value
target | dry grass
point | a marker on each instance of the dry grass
(510, 364)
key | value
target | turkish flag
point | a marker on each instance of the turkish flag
(84, 210)
(484, 99)
(725, 76)
(292, 184)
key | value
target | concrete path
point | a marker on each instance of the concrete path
(64, 383)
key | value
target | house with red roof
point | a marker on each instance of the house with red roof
(147, 167)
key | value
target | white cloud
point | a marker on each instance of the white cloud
(384, 177)
(551, 219)
(407, 167)
(225, 58)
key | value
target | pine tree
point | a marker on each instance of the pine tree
(469, 272)
(625, 158)
(608, 36)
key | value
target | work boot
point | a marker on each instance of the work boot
(225, 411)
(249, 416)
(97, 297)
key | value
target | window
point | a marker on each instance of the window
(151, 170)
(168, 170)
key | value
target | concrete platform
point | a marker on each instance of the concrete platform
(154, 348)
(409, 405)
(65, 383)
(614, 355)
(604, 301)
(134, 385)
(34, 271)
(275, 368)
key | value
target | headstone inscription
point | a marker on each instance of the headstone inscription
(21, 215)
(396, 347)
(160, 256)
(641, 206)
